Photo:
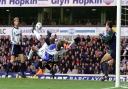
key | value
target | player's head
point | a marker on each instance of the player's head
(16, 22)
(38, 25)
(109, 25)
(52, 40)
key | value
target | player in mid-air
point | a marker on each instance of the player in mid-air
(48, 48)
(49, 51)
(16, 42)
(109, 38)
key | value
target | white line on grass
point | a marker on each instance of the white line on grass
(123, 87)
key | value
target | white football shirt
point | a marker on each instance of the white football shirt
(16, 36)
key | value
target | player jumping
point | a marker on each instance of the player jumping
(110, 40)
(48, 48)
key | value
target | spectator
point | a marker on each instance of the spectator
(69, 71)
(83, 59)
(75, 70)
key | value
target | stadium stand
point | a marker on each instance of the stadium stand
(83, 59)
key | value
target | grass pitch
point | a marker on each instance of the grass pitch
(53, 84)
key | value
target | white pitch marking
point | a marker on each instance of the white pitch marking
(124, 87)
(109, 88)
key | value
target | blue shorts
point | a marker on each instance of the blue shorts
(16, 49)
(48, 57)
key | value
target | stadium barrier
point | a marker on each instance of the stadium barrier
(66, 76)
(64, 31)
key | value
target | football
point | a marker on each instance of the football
(38, 25)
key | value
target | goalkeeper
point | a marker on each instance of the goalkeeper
(109, 39)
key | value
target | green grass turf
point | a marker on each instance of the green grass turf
(53, 84)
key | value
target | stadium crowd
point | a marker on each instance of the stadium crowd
(83, 59)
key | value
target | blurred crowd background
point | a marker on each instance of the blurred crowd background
(83, 59)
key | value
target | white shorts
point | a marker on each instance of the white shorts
(42, 50)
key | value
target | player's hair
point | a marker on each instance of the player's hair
(16, 18)
(109, 23)
(52, 40)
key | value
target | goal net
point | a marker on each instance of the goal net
(122, 42)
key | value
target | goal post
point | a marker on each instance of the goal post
(118, 34)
